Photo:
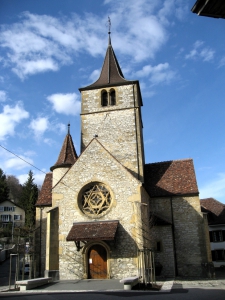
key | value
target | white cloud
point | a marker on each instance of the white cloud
(30, 153)
(149, 141)
(16, 163)
(67, 104)
(22, 178)
(2, 96)
(40, 43)
(38, 178)
(222, 62)
(39, 126)
(60, 127)
(48, 141)
(200, 52)
(215, 188)
(10, 117)
(94, 75)
(11, 163)
(161, 73)
(32, 67)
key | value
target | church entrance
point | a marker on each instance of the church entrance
(97, 262)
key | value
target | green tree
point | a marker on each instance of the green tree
(4, 190)
(28, 199)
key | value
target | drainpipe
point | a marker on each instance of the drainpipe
(137, 144)
(173, 236)
(41, 208)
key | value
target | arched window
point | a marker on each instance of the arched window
(104, 98)
(112, 97)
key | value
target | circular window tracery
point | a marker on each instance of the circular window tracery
(95, 199)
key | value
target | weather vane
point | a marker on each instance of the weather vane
(109, 25)
(68, 128)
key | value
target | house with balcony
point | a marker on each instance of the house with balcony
(11, 213)
(216, 223)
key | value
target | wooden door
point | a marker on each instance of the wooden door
(97, 262)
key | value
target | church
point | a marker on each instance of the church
(106, 213)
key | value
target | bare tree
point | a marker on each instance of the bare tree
(15, 188)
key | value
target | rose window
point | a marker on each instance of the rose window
(96, 199)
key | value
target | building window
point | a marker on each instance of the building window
(7, 208)
(217, 236)
(17, 217)
(108, 98)
(95, 199)
(104, 98)
(5, 218)
(112, 96)
(218, 255)
(158, 246)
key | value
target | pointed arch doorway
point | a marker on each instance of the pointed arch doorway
(97, 262)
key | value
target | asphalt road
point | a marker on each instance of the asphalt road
(4, 272)
(175, 294)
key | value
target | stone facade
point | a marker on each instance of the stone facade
(164, 255)
(97, 165)
(110, 183)
(118, 127)
(188, 234)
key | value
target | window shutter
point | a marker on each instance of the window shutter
(211, 236)
(213, 255)
(223, 231)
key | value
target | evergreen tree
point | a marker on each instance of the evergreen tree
(28, 199)
(4, 190)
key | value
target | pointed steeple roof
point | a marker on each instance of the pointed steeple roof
(68, 155)
(111, 73)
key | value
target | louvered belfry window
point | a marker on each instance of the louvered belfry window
(112, 97)
(104, 98)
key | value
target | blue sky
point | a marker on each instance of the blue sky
(49, 49)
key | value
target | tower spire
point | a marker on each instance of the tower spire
(111, 73)
(68, 128)
(109, 30)
(67, 156)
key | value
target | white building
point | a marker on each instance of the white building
(216, 221)
(11, 213)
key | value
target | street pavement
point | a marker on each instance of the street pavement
(115, 285)
(171, 288)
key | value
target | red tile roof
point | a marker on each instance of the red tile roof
(90, 231)
(213, 205)
(175, 177)
(215, 210)
(67, 156)
(45, 196)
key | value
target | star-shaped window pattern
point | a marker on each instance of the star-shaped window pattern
(96, 199)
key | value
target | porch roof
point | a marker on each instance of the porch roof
(91, 231)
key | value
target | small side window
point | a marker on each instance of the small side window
(158, 246)
(112, 97)
(104, 98)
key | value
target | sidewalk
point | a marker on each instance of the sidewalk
(85, 285)
(81, 286)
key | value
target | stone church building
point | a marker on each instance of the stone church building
(100, 211)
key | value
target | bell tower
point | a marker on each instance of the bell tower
(111, 112)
